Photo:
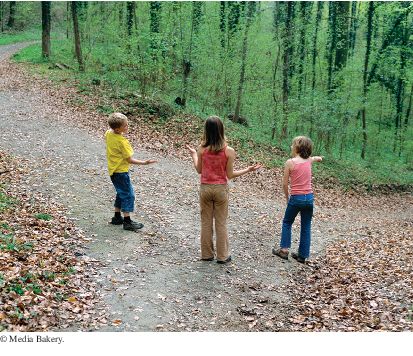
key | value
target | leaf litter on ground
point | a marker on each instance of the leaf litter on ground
(43, 285)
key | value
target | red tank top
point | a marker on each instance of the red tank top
(300, 176)
(214, 167)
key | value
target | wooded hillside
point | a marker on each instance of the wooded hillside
(340, 72)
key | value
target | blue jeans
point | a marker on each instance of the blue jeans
(304, 205)
(125, 197)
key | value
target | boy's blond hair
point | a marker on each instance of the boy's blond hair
(116, 120)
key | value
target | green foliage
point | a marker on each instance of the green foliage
(60, 297)
(5, 201)
(34, 287)
(49, 276)
(5, 226)
(17, 288)
(144, 71)
(8, 243)
(43, 216)
(20, 288)
(70, 270)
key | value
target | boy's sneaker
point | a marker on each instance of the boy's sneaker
(297, 257)
(117, 220)
(280, 253)
(132, 226)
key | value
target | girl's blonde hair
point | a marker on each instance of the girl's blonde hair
(214, 135)
(116, 120)
(303, 146)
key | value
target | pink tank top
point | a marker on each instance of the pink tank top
(300, 178)
(214, 167)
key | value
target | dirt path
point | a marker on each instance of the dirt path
(153, 280)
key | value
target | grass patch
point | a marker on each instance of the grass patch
(15, 37)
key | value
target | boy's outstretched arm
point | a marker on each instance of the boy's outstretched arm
(132, 160)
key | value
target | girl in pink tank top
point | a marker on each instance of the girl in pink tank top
(214, 161)
(300, 199)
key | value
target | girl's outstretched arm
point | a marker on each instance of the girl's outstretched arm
(230, 165)
(196, 158)
(317, 158)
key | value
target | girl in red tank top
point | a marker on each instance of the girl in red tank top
(299, 198)
(214, 161)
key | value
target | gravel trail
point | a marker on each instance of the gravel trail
(153, 279)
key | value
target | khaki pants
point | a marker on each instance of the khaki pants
(214, 205)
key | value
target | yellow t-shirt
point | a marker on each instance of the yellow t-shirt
(118, 150)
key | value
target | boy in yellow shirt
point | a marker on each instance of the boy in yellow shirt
(119, 153)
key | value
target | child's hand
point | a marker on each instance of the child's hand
(254, 167)
(317, 158)
(191, 149)
(150, 161)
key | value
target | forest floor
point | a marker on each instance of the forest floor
(361, 263)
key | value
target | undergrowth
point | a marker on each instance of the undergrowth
(375, 173)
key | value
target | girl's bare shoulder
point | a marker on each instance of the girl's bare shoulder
(229, 151)
(289, 163)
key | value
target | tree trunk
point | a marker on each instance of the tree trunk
(315, 38)
(286, 67)
(342, 23)
(274, 87)
(333, 42)
(130, 10)
(400, 88)
(67, 19)
(46, 28)
(222, 22)
(187, 59)
(370, 14)
(233, 17)
(353, 28)
(135, 18)
(317, 21)
(248, 20)
(277, 18)
(12, 14)
(302, 48)
(197, 16)
(409, 109)
(154, 11)
(78, 48)
(1, 16)
(291, 66)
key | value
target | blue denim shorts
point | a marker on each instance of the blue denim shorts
(125, 197)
